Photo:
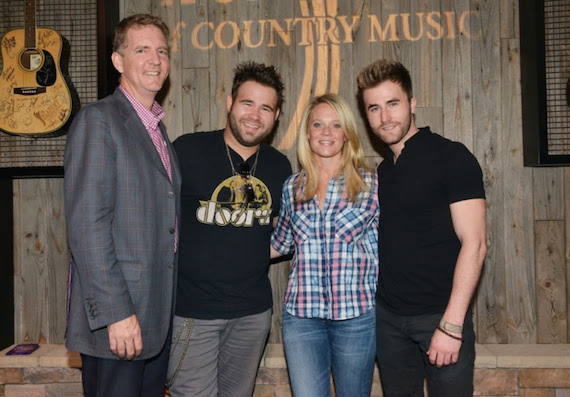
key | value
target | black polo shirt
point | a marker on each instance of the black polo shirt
(418, 246)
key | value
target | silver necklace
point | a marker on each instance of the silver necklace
(252, 172)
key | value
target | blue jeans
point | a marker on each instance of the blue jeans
(402, 342)
(314, 346)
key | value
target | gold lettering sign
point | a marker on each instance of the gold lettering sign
(328, 30)
(320, 31)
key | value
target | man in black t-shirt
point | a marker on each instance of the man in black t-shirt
(432, 243)
(231, 191)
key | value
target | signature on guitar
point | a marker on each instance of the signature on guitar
(36, 94)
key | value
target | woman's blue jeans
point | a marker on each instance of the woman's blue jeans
(314, 347)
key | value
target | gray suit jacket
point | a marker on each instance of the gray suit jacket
(120, 208)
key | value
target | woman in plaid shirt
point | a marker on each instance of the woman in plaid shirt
(329, 219)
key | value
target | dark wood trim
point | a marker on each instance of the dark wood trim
(7, 263)
(533, 86)
(107, 19)
(31, 172)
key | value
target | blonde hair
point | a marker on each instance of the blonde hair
(352, 160)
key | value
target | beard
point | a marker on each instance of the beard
(245, 139)
(404, 129)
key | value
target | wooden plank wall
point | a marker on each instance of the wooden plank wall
(464, 58)
(40, 261)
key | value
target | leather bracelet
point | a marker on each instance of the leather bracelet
(450, 327)
(459, 338)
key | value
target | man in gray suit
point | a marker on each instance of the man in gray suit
(122, 198)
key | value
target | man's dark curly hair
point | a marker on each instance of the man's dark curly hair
(260, 73)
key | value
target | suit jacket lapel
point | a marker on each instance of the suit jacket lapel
(135, 128)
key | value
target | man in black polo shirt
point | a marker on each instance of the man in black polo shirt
(231, 194)
(432, 243)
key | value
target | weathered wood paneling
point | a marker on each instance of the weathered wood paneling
(550, 281)
(509, 11)
(173, 103)
(456, 82)
(512, 281)
(195, 105)
(41, 260)
(278, 274)
(567, 242)
(487, 146)
(464, 59)
(426, 65)
(548, 193)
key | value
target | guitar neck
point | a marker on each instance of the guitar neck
(30, 24)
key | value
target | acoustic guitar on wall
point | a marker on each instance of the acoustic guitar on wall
(36, 95)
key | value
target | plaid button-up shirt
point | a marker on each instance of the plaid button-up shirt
(335, 267)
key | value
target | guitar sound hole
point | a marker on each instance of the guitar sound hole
(31, 59)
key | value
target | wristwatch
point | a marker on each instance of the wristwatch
(450, 327)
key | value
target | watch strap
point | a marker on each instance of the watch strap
(450, 327)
